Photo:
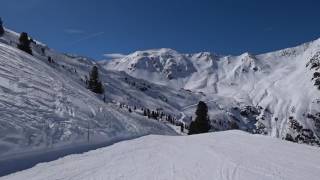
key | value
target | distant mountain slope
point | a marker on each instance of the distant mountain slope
(229, 155)
(274, 93)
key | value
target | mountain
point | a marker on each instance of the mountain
(45, 105)
(228, 155)
(275, 93)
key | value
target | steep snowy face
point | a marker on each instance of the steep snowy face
(46, 105)
(229, 155)
(281, 88)
(162, 65)
(189, 71)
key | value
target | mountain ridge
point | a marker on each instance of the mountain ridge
(279, 82)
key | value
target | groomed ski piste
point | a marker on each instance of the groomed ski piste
(228, 155)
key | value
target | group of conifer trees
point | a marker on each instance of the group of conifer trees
(24, 43)
(201, 124)
(158, 115)
(24, 40)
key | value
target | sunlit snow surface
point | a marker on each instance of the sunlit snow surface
(229, 155)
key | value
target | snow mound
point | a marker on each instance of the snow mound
(229, 155)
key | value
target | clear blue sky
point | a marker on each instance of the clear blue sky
(96, 27)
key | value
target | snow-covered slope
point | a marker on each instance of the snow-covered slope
(46, 105)
(229, 155)
(274, 93)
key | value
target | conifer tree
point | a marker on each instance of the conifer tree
(24, 43)
(94, 84)
(201, 124)
(49, 59)
(1, 27)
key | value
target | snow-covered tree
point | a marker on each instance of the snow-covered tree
(24, 43)
(201, 124)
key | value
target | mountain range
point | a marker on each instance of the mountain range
(46, 105)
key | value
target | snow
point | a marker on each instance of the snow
(229, 155)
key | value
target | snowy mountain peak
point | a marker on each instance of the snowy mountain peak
(167, 62)
(246, 54)
(155, 52)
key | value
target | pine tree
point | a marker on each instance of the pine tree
(233, 125)
(49, 59)
(43, 51)
(148, 113)
(25, 43)
(201, 124)
(182, 127)
(94, 84)
(1, 27)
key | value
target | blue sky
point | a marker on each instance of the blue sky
(96, 27)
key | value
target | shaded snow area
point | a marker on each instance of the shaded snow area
(229, 155)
